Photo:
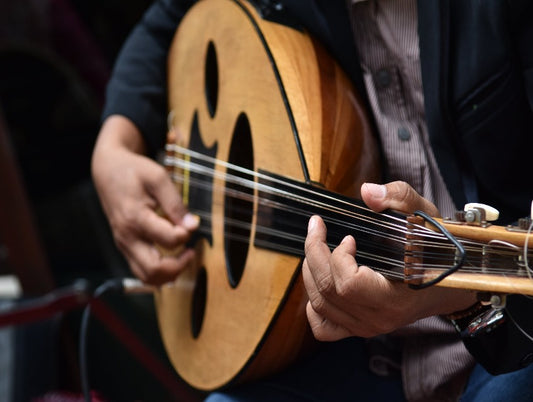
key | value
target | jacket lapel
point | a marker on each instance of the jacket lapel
(434, 32)
(329, 21)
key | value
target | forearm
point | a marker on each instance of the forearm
(131, 186)
(118, 134)
(119, 131)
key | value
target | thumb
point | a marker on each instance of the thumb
(160, 187)
(397, 196)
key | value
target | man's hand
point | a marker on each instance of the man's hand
(346, 299)
(131, 188)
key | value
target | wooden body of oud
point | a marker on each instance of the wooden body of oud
(259, 326)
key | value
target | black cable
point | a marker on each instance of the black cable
(460, 255)
(115, 285)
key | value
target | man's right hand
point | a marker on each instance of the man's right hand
(132, 188)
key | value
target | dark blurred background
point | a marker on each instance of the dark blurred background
(55, 59)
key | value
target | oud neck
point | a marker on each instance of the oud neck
(385, 241)
(285, 207)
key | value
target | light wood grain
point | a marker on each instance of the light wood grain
(259, 326)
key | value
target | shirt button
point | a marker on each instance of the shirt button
(404, 134)
(382, 78)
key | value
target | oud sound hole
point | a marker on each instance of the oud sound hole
(198, 302)
(211, 79)
(238, 201)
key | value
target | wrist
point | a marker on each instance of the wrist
(481, 317)
(120, 132)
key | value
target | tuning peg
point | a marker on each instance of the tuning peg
(491, 213)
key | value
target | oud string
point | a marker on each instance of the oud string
(237, 180)
(253, 184)
(298, 251)
(528, 270)
(267, 189)
(524, 332)
(264, 201)
(393, 223)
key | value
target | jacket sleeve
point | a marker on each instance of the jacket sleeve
(137, 88)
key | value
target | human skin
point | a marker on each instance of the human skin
(141, 203)
(346, 299)
(144, 209)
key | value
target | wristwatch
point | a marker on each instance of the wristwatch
(481, 317)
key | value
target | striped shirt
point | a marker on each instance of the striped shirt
(434, 363)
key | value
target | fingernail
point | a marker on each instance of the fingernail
(377, 191)
(311, 225)
(191, 221)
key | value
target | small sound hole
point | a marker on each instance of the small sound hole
(198, 302)
(238, 201)
(211, 79)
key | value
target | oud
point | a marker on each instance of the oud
(265, 130)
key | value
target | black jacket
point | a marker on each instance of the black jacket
(477, 72)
